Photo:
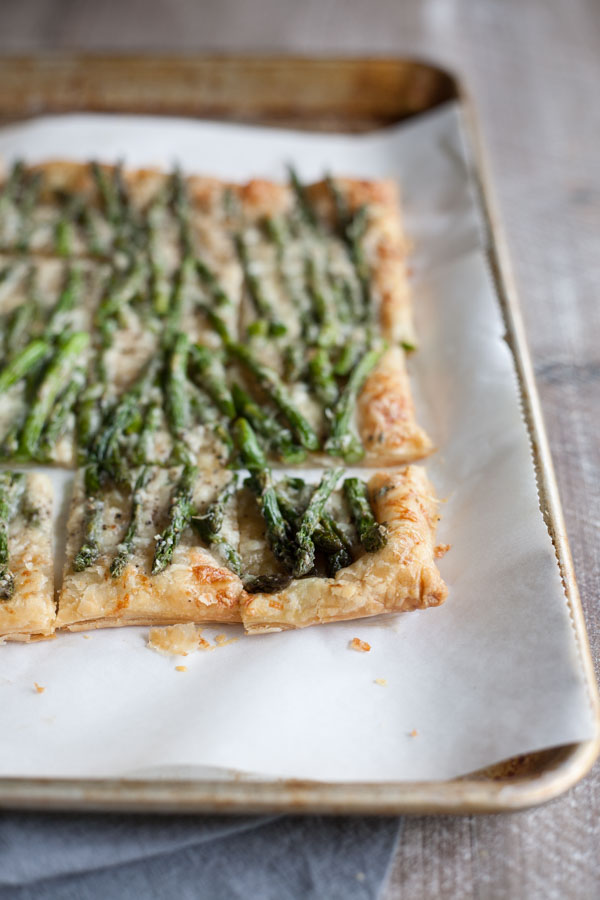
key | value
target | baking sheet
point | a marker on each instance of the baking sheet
(493, 673)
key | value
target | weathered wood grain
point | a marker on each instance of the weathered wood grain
(533, 69)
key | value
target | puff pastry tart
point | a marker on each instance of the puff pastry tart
(160, 331)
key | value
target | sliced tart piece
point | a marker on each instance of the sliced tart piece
(134, 557)
(399, 576)
(27, 610)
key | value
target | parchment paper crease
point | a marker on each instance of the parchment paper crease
(493, 673)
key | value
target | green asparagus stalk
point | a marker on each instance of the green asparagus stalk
(144, 450)
(209, 375)
(118, 419)
(12, 487)
(256, 290)
(278, 393)
(94, 510)
(278, 438)
(27, 201)
(180, 204)
(268, 584)
(13, 184)
(175, 386)
(212, 284)
(17, 328)
(261, 482)
(108, 193)
(180, 514)
(372, 535)
(124, 549)
(322, 377)
(121, 289)
(341, 441)
(303, 203)
(61, 411)
(57, 375)
(209, 525)
(23, 363)
(67, 300)
(322, 329)
(305, 554)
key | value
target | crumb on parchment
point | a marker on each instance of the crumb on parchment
(441, 550)
(221, 640)
(413, 733)
(181, 668)
(38, 688)
(359, 646)
(381, 681)
(177, 640)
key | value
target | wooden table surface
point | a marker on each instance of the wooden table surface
(533, 68)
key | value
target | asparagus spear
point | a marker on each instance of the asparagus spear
(210, 523)
(256, 291)
(108, 193)
(279, 439)
(158, 281)
(261, 481)
(373, 535)
(17, 327)
(120, 290)
(341, 441)
(13, 184)
(68, 298)
(268, 584)
(23, 363)
(180, 514)
(175, 386)
(304, 205)
(209, 375)
(29, 193)
(322, 330)
(322, 377)
(180, 204)
(352, 228)
(58, 373)
(12, 486)
(177, 299)
(305, 554)
(145, 443)
(124, 549)
(94, 509)
(61, 412)
(119, 418)
(278, 393)
(210, 281)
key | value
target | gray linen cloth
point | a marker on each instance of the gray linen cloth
(62, 856)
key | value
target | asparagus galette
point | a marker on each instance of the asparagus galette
(192, 347)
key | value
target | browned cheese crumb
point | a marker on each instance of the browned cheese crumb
(381, 681)
(38, 688)
(181, 668)
(441, 550)
(359, 646)
(221, 640)
(177, 640)
(414, 733)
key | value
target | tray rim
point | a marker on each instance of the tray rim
(471, 794)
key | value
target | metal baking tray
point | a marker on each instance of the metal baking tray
(351, 95)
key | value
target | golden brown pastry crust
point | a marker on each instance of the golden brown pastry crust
(400, 577)
(386, 416)
(30, 613)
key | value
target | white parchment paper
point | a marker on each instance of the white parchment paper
(492, 673)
